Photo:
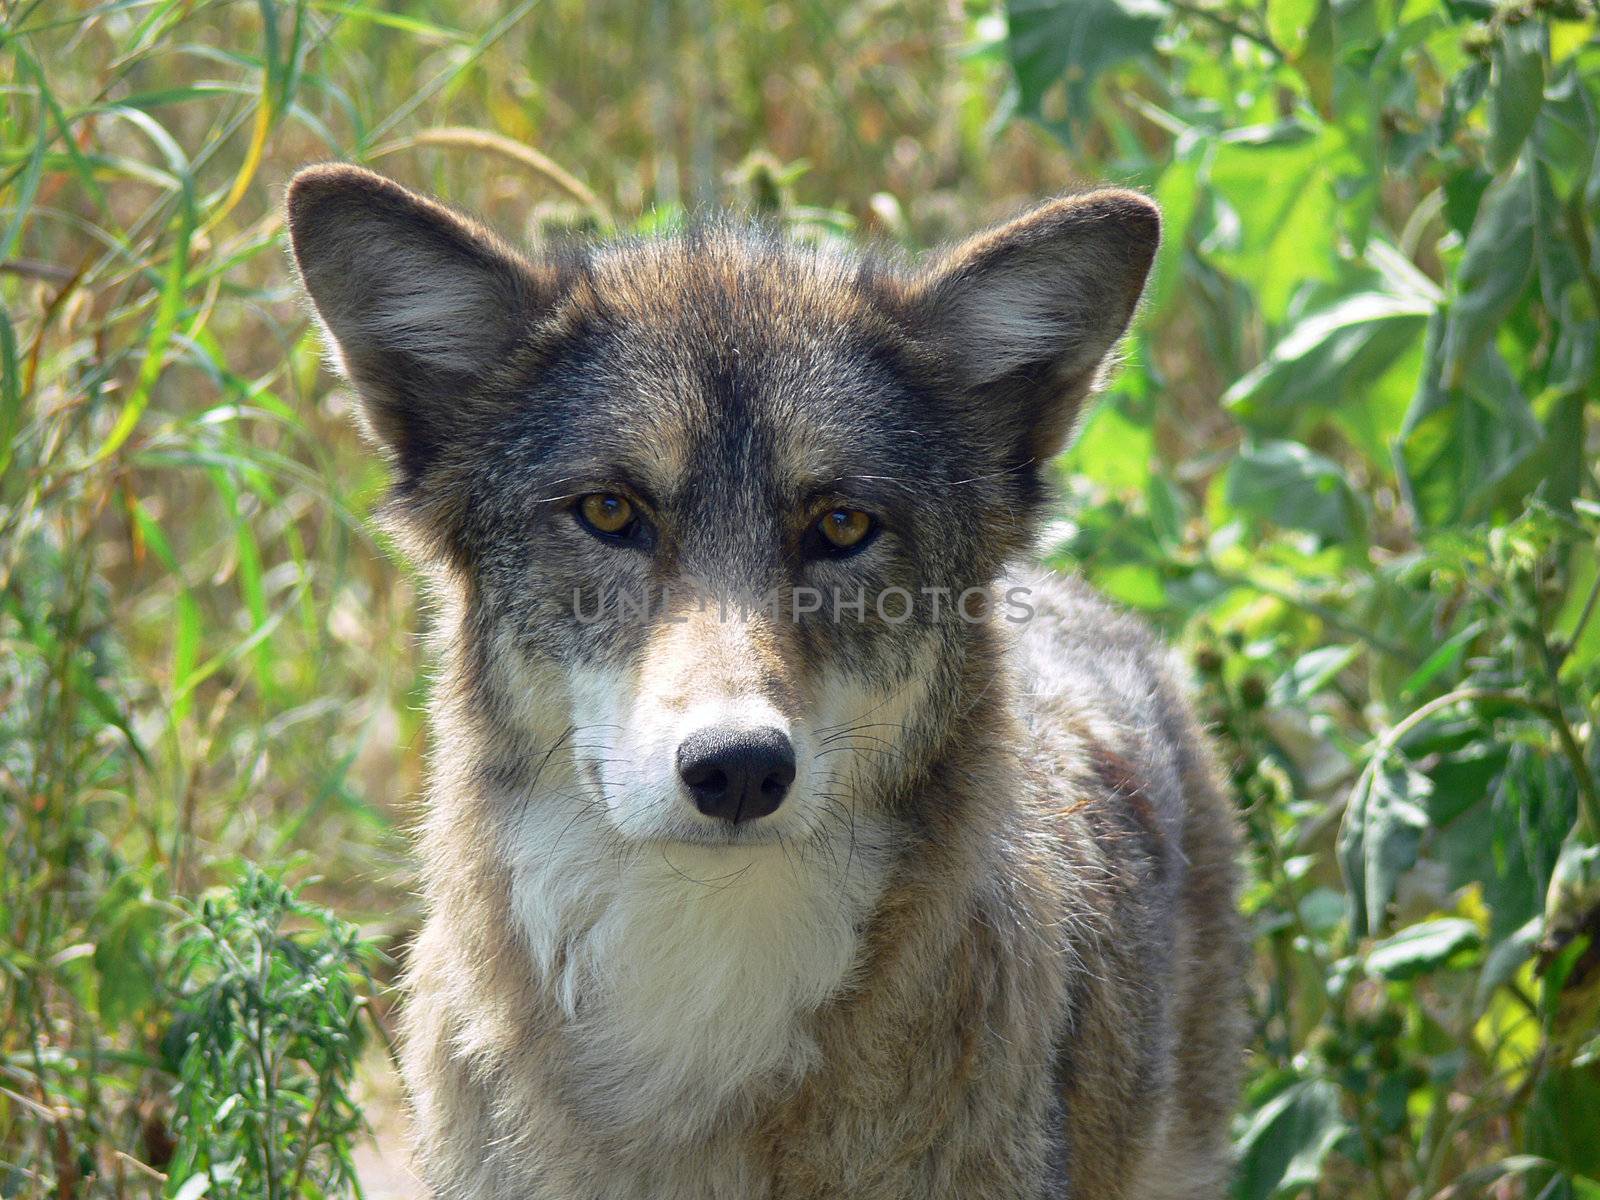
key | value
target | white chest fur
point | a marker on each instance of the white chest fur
(686, 973)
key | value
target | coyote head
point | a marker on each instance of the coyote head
(714, 517)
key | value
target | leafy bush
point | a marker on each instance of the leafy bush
(1350, 467)
(1380, 545)
(265, 1046)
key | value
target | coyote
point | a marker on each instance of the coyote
(786, 839)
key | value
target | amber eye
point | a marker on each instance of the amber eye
(845, 528)
(606, 513)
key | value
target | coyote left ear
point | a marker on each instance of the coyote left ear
(1030, 311)
(418, 303)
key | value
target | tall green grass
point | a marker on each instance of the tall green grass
(205, 658)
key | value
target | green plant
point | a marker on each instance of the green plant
(268, 1032)
(1352, 462)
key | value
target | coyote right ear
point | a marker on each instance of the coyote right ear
(417, 302)
(1032, 310)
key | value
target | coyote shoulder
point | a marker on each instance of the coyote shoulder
(782, 842)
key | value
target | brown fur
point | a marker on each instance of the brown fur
(1020, 824)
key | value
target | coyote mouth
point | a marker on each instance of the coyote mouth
(719, 837)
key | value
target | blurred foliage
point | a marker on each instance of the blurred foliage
(1349, 466)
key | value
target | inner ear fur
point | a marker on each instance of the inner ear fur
(1029, 313)
(418, 302)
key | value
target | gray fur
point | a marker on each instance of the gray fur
(987, 949)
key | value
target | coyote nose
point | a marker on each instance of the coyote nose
(738, 774)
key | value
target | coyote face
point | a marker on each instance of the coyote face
(731, 494)
(743, 782)
(726, 508)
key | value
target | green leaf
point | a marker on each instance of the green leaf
(1463, 194)
(1418, 949)
(1329, 359)
(1555, 1131)
(1288, 21)
(1179, 193)
(1445, 658)
(1502, 813)
(1283, 1146)
(1380, 838)
(10, 392)
(1312, 672)
(22, 202)
(128, 941)
(1495, 271)
(1503, 962)
(1277, 183)
(407, 24)
(1114, 450)
(1297, 488)
(1565, 133)
(1075, 42)
(1131, 584)
(1461, 442)
(1516, 89)
(1169, 511)
(162, 327)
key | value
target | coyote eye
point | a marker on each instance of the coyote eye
(606, 514)
(841, 532)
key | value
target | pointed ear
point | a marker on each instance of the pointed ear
(418, 303)
(1030, 312)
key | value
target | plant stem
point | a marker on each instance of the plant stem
(310, 1137)
(1588, 611)
(1324, 614)
(1392, 738)
(1229, 26)
(1588, 792)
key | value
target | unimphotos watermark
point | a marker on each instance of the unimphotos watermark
(674, 603)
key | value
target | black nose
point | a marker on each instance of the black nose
(736, 774)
